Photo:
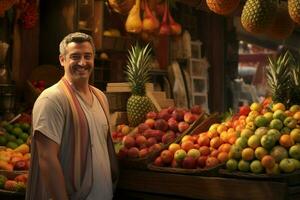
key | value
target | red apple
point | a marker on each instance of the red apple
(114, 134)
(133, 152)
(178, 114)
(204, 150)
(170, 109)
(151, 115)
(128, 141)
(166, 156)
(196, 109)
(151, 141)
(158, 162)
(141, 141)
(189, 163)
(163, 114)
(203, 141)
(175, 164)
(211, 162)
(144, 152)
(150, 122)
(173, 124)
(168, 137)
(123, 153)
(20, 165)
(182, 126)
(189, 117)
(202, 161)
(142, 127)
(161, 124)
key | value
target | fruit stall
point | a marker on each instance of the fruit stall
(184, 123)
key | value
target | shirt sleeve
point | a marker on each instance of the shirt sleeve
(48, 118)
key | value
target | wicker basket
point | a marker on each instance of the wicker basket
(11, 175)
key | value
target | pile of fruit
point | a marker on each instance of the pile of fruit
(13, 135)
(159, 129)
(17, 184)
(204, 150)
(17, 159)
(269, 140)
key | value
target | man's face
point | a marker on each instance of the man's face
(78, 61)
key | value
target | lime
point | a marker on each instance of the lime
(11, 138)
(3, 140)
(12, 145)
(17, 131)
(19, 141)
(25, 126)
(23, 136)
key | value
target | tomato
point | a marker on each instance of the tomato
(244, 110)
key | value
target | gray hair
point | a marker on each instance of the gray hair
(76, 37)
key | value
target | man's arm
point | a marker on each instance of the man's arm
(50, 167)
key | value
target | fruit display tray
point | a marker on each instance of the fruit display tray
(212, 171)
(11, 175)
(142, 163)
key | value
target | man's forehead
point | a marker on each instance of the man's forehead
(74, 46)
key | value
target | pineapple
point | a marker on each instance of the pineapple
(278, 77)
(257, 15)
(294, 10)
(137, 70)
(295, 89)
(222, 7)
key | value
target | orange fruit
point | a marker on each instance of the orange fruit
(215, 142)
(224, 147)
(268, 162)
(187, 145)
(286, 141)
(222, 157)
(248, 154)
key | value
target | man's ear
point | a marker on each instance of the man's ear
(62, 60)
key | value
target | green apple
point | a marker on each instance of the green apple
(256, 167)
(268, 141)
(261, 131)
(275, 133)
(242, 142)
(290, 122)
(254, 141)
(261, 121)
(279, 114)
(295, 134)
(294, 108)
(276, 124)
(246, 133)
(244, 166)
(231, 165)
(268, 116)
(260, 152)
(294, 151)
(287, 165)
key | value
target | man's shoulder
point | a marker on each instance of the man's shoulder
(53, 92)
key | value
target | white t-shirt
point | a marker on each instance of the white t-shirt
(50, 118)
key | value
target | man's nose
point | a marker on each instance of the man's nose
(82, 61)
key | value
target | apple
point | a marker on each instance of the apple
(128, 141)
(294, 151)
(295, 134)
(268, 162)
(195, 153)
(164, 114)
(158, 162)
(254, 141)
(201, 162)
(189, 117)
(275, 133)
(244, 110)
(175, 164)
(231, 165)
(114, 134)
(211, 162)
(187, 145)
(279, 114)
(260, 152)
(246, 133)
(20, 165)
(274, 170)
(189, 163)
(256, 167)
(151, 115)
(151, 141)
(174, 147)
(182, 126)
(170, 109)
(133, 152)
(244, 166)
(150, 122)
(204, 150)
(123, 153)
(268, 116)
(168, 137)
(196, 109)
(255, 106)
(287, 165)
(142, 127)
(242, 142)
(235, 152)
(161, 124)
(285, 130)
(290, 122)
(279, 153)
(179, 155)
(178, 114)
(143, 152)
(261, 121)
(261, 131)
(141, 141)
(268, 141)
(278, 106)
(166, 156)
(125, 129)
(173, 124)
(296, 162)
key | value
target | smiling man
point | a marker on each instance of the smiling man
(72, 151)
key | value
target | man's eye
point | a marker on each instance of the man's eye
(88, 57)
(75, 57)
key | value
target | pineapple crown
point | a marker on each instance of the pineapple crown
(138, 67)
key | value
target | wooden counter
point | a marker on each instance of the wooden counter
(138, 184)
